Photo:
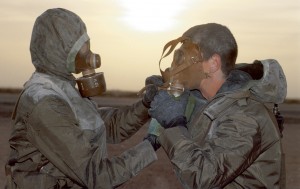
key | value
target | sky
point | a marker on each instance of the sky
(129, 35)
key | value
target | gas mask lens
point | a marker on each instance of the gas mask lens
(178, 57)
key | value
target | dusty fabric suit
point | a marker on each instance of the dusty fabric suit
(59, 138)
(232, 141)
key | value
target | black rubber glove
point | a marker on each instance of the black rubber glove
(152, 83)
(156, 80)
(168, 110)
(256, 70)
(153, 141)
(148, 97)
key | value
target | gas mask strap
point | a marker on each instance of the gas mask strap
(172, 44)
(180, 68)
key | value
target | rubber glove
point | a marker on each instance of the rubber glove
(168, 110)
(151, 83)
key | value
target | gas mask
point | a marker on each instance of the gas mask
(91, 83)
(181, 73)
(82, 59)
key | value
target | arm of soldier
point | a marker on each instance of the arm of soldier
(53, 129)
(122, 122)
(225, 153)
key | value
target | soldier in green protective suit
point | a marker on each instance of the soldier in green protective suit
(218, 133)
(59, 134)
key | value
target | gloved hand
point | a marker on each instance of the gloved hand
(153, 141)
(168, 110)
(152, 83)
(148, 97)
(156, 80)
(256, 70)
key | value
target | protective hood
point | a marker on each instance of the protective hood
(272, 87)
(54, 35)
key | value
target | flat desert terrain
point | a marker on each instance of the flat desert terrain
(160, 175)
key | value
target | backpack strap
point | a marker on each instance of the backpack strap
(279, 119)
(190, 107)
(13, 116)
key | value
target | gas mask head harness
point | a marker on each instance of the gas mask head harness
(82, 59)
(174, 77)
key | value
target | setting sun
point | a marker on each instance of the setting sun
(130, 34)
(151, 15)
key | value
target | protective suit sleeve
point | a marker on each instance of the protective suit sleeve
(121, 123)
(53, 129)
(225, 153)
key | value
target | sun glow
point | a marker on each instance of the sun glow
(151, 15)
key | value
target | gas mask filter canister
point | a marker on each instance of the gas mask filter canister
(91, 83)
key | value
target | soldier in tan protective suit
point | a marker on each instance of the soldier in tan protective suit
(59, 134)
(218, 133)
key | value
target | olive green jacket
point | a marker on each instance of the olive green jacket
(231, 141)
(59, 139)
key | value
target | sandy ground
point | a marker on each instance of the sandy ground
(159, 175)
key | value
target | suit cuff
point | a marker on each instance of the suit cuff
(171, 137)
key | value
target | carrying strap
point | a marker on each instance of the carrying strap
(9, 180)
(13, 116)
(190, 107)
